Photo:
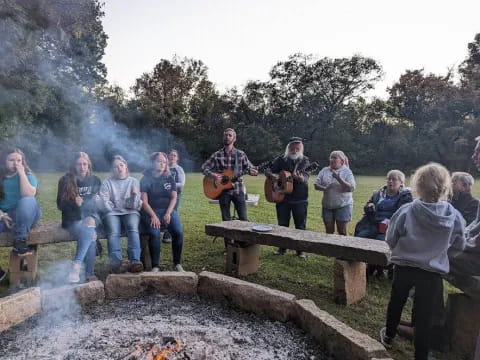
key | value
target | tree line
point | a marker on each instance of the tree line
(53, 86)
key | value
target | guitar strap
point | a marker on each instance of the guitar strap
(236, 169)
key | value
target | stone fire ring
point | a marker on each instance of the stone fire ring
(333, 335)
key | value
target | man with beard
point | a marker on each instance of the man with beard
(296, 203)
(230, 157)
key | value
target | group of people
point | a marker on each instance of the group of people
(92, 209)
(427, 235)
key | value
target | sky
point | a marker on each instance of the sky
(241, 40)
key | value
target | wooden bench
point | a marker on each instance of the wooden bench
(24, 269)
(350, 253)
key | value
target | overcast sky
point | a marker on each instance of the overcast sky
(241, 40)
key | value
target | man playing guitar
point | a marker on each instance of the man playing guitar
(294, 204)
(230, 157)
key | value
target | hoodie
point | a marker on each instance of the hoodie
(420, 235)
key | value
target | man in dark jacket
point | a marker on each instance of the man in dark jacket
(462, 199)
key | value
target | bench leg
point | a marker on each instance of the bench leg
(349, 281)
(145, 257)
(463, 325)
(242, 260)
(23, 268)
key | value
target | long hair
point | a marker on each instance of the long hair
(3, 169)
(153, 157)
(286, 155)
(432, 183)
(70, 189)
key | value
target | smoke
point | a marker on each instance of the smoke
(48, 106)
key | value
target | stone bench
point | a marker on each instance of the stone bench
(350, 253)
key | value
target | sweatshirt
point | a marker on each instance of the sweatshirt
(117, 196)
(420, 235)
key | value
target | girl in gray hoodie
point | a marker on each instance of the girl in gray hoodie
(420, 235)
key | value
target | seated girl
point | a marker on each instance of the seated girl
(19, 210)
(77, 199)
(380, 208)
(159, 196)
(121, 196)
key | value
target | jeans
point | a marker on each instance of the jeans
(427, 285)
(86, 244)
(114, 229)
(24, 216)
(174, 228)
(238, 202)
(166, 234)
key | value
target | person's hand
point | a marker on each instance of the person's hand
(274, 177)
(134, 191)
(8, 221)
(335, 174)
(20, 168)
(253, 172)
(320, 187)
(298, 176)
(78, 201)
(155, 222)
(370, 205)
(217, 177)
(166, 218)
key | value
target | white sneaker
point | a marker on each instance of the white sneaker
(179, 268)
(74, 276)
(155, 269)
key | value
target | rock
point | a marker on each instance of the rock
(258, 299)
(336, 337)
(349, 281)
(18, 307)
(71, 296)
(166, 282)
(463, 324)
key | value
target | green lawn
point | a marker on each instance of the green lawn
(306, 279)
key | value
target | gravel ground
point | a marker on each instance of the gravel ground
(112, 330)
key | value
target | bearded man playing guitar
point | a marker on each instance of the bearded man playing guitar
(294, 204)
(234, 159)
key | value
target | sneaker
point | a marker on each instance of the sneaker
(3, 274)
(74, 276)
(167, 238)
(155, 269)
(302, 255)
(136, 266)
(91, 278)
(121, 268)
(280, 251)
(384, 339)
(179, 268)
(20, 247)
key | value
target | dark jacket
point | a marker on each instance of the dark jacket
(466, 204)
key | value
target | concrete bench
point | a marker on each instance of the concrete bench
(350, 253)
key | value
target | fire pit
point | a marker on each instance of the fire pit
(174, 316)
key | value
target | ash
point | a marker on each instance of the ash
(111, 331)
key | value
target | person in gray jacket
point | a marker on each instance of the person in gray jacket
(420, 235)
(121, 196)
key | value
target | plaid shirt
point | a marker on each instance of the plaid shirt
(222, 160)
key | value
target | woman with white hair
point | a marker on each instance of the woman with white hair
(462, 199)
(337, 183)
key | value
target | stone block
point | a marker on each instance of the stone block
(72, 296)
(18, 307)
(349, 281)
(247, 296)
(336, 337)
(463, 324)
(165, 282)
(242, 260)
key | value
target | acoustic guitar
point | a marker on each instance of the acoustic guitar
(213, 189)
(275, 190)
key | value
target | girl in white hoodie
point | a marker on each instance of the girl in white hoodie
(420, 235)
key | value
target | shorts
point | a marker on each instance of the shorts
(343, 214)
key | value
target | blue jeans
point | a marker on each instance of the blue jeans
(114, 230)
(174, 228)
(24, 216)
(86, 244)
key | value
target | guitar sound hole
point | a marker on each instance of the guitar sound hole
(224, 181)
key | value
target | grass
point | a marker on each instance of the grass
(310, 279)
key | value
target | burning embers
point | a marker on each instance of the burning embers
(170, 350)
